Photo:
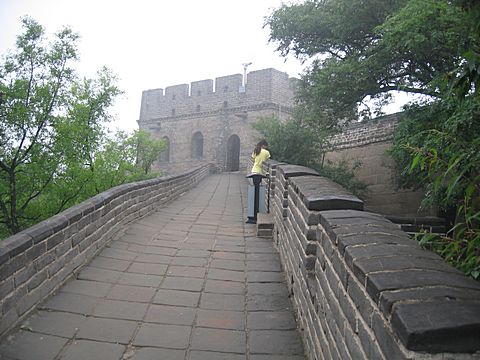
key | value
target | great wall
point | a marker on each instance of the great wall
(209, 121)
(167, 268)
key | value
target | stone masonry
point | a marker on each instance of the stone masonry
(367, 142)
(35, 262)
(210, 121)
(188, 281)
(362, 288)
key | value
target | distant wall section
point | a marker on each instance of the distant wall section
(368, 142)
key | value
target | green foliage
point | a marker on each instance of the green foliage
(437, 148)
(34, 85)
(460, 247)
(343, 173)
(401, 45)
(54, 147)
(293, 142)
(442, 157)
(426, 47)
(147, 150)
(296, 142)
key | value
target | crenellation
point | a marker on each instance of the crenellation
(221, 114)
(268, 85)
(259, 85)
(177, 92)
(228, 84)
(149, 99)
(202, 87)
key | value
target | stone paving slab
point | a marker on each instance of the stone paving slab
(85, 349)
(147, 353)
(106, 330)
(131, 293)
(55, 323)
(279, 342)
(190, 281)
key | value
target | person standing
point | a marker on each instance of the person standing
(259, 155)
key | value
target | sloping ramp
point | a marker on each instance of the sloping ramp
(188, 282)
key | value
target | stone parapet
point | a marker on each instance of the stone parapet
(366, 132)
(362, 288)
(37, 261)
(263, 86)
(367, 143)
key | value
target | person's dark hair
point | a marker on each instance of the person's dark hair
(258, 148)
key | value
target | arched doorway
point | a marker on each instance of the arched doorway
(197, 145)
(165, 154)
(233, 153)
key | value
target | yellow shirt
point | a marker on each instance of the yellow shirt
(258, 161)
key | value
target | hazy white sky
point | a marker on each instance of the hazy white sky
(156, 43)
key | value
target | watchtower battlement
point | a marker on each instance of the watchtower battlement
(211, 120)
(226, 92)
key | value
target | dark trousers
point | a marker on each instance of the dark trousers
(257, 179)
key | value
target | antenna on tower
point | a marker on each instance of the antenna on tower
(245, 66)
(244, 82)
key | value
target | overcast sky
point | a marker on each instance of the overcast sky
(156, 43)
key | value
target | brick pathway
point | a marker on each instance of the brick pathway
(189, 282)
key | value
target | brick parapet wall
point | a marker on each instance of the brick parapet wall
(37, 261)
(366, 132)
(368, 143)
(184, 100)
(362, 289)
(222, 117)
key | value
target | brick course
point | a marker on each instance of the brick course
(37, 261)
(367, 142)
(363, 289)
(218, 114)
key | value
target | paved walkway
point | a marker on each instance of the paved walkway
(189, 282)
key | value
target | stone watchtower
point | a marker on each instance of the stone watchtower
(203, 123)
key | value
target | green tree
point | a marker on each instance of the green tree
(78, 137)
(398, 45)
(300, 143)
(436, 148)
(426, 47)
(294, 141)
(34, 87)
(147, 150)
(52, 129)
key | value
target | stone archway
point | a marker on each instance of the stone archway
(197, 145)
(165, 154)
(233, 153)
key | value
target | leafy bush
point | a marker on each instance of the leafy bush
(295, 142)
(55, 150)
(437, 148)
(343, 173)
(423, 47)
